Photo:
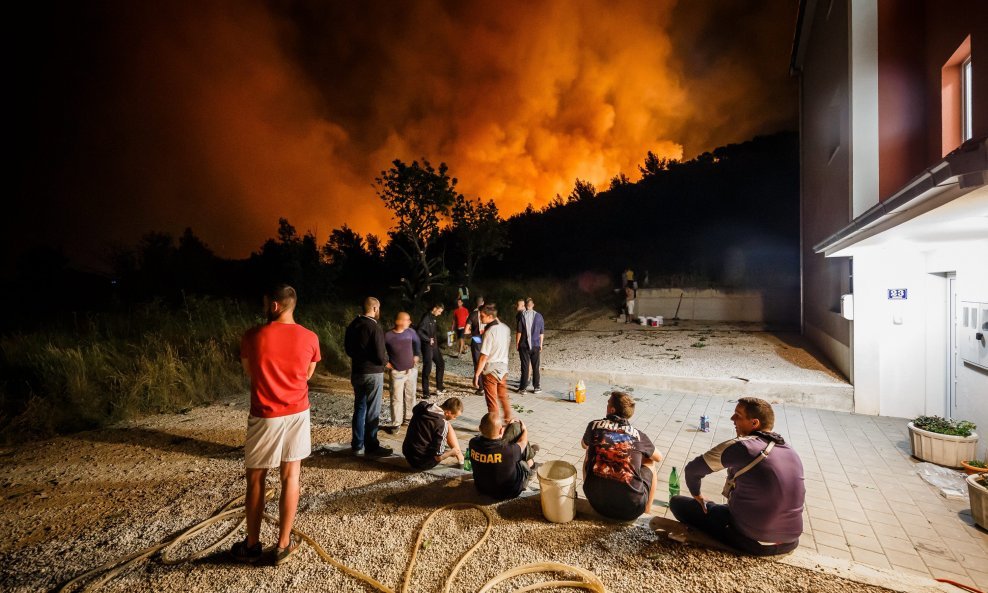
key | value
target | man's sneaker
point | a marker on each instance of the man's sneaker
(390, 429)
(281, 555)
(520, 389)
(356, 450)
(379, 452)
(441, 392)
(241, 552)
(480, 391)
(537, 390)
(535, 448)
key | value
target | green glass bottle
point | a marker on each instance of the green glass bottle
(466, 460)
(673, 483)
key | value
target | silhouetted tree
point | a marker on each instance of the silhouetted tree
(420, 197)
(654, 165)
(479, 232)
(619, 180)
(582, 190)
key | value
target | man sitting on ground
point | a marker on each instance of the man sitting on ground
(764, 511)
(501, 457)
(430, 438)
(279, 357)
(617, 476)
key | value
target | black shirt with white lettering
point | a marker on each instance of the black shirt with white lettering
(613, 479)
(496, 470)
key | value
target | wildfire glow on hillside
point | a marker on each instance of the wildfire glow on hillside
(224, 116)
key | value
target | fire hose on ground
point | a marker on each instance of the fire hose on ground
(235, 509)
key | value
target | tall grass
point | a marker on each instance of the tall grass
(104, 368)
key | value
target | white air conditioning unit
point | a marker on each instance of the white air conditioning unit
(847, 306)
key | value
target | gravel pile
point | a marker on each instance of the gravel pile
(73, 503)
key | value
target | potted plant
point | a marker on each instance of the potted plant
(941, 441)
(975, 466)
(977, 490)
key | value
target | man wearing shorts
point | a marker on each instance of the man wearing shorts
(617, 477)
(460, 314)
(279, 357)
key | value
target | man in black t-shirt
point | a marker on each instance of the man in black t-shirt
(430, 437)
(617, 479)
(501, 458)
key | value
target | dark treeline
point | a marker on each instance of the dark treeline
(727, 218)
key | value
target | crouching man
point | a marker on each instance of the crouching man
(502, 458)
(765, 490)
(279, 357)
(617, 476)
(430, 437)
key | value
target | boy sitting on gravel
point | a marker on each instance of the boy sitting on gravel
(430, 438)
(501, 457)
(617, 478)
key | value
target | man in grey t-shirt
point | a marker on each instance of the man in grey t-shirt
(764, 511)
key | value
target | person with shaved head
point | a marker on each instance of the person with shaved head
(503, 460)
(404, 349)
(364, 344)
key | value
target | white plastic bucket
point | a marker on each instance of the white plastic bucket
(557, 479)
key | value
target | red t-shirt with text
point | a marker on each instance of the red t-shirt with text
(279, 355)
(460, 314)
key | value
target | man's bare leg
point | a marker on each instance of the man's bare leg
(255, 503)
(288, 504)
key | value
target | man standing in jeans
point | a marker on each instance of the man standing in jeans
(493, 363)
(404, 349)
(364, 344)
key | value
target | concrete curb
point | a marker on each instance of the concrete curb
(826, 396)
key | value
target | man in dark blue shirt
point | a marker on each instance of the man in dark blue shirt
(429, 334)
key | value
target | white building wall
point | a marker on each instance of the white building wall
(900, 346)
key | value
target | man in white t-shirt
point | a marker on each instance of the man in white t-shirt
(493, 363)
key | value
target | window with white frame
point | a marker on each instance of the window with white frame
(967, 128)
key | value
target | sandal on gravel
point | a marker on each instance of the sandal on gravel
(282, 555)
(241, 552)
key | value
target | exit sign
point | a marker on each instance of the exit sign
(898, 294)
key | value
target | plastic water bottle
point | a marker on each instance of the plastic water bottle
(673, 483)
(466, 461)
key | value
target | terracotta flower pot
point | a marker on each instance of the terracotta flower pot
(942, 449)
(970, 469)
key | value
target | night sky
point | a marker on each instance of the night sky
(224, 116)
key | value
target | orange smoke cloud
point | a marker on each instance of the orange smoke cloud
(225, 116)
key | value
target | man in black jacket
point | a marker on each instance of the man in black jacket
(475, 329)
(429, 335)
(364, 344)
(430, 437)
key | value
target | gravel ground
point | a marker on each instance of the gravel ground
(594, 341)
(73, 503)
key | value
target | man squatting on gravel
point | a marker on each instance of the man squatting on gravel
(765, 490)
(279, 357)
(430, 437)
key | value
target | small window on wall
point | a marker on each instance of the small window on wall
(967, 110)
(956, 109)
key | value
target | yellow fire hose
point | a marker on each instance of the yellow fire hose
(235, 508)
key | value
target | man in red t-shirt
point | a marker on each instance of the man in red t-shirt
(460, 314)
(279, 357)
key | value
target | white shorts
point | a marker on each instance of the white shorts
(273, 441)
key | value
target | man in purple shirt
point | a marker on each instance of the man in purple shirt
(404, 349)
(764, 511)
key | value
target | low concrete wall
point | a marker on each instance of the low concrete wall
(769, 305)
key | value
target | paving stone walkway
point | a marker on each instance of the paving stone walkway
(864, 501)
